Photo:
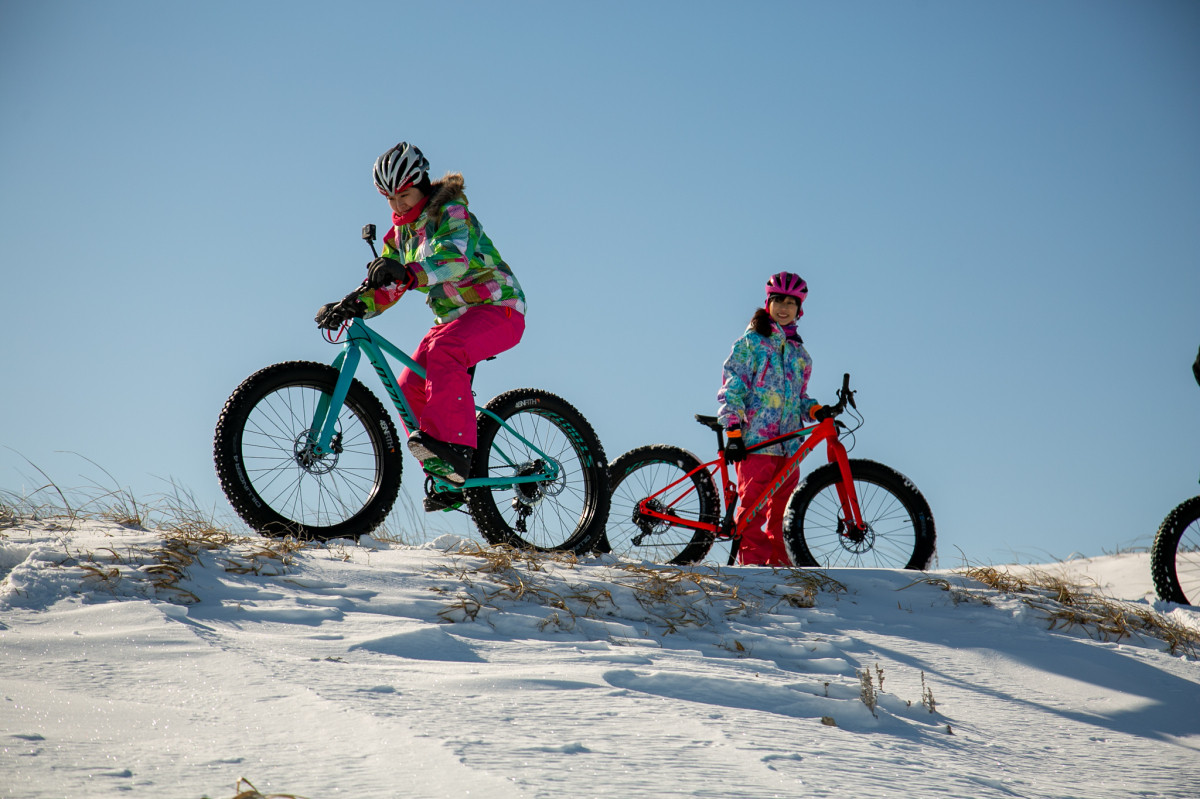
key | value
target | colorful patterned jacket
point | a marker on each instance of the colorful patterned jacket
(765, 389)
(454, 261)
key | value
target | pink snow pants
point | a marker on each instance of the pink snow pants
(442, 402)
(763, 547)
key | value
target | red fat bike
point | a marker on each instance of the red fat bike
(849, 512)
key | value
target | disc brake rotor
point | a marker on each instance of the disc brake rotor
(855, 539)
(309, 461)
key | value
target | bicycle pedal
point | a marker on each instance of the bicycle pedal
(439, 468)
(443, 501)
(436, 467)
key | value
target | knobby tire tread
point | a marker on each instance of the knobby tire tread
(557, 412)
(1164, 554)
(867, 471)
(237, 485)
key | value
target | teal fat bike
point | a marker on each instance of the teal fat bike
(305, 449)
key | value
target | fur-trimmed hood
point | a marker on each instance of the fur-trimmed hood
(446, 190)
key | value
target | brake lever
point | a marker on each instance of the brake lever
(845, 394)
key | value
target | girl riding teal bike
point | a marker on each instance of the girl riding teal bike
(305, 449)
(438, 247)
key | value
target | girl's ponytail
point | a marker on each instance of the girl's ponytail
(761, 322)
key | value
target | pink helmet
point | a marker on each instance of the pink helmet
(788, 284)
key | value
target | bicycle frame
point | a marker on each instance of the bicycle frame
(824, 431)
(360, 340)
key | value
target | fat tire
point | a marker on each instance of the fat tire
(642, 472)
(567, 515)
(254, 455)
(1175, 555)
(900, 519)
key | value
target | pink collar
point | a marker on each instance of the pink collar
(412, 214)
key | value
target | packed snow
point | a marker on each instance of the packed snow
(200, 664)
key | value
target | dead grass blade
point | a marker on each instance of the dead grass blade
(1079, 606)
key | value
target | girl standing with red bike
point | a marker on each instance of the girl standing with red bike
(764, 394)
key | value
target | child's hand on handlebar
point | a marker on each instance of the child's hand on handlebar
(333, 315)
(385, 271)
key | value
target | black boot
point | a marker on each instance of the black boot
(451, 461)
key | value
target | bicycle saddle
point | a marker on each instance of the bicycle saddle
(710, 422)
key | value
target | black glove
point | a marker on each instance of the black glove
(333, 315)
(824, 412)
(383, 271)
(735, 448)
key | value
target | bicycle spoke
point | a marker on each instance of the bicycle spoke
(644, 475)
(890, 538)
(322, 497)
(1187, 562)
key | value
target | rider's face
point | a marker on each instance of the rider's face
(783, 309)
(403, 202)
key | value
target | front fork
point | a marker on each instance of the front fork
(324, 424)
(851, 519)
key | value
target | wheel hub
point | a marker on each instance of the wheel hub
(534, 492)
(649, 525)
(303, 451)
(855, 539)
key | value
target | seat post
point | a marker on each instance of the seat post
(712, 424)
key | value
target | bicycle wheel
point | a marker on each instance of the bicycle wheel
(643, 472)
(276, 485)
(899, 534)
(567, 513)
(1175, 555)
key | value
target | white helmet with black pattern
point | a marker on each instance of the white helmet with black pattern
(400, 167)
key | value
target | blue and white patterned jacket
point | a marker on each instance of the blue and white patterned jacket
(764, 389)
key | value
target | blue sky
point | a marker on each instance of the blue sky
(996, 206)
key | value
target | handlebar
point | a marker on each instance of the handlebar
(845, 395)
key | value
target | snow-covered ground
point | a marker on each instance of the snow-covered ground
(131, 665)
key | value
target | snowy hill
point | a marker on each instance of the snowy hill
(145, 664)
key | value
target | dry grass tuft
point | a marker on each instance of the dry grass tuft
(1073, 605)
(806, 585)
(958, 595)
(1002, 581)
(867, 692)
(679, 597)
(871, 687)
(187, 533)
(246, 790)
(927, 699)
(670, 598)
